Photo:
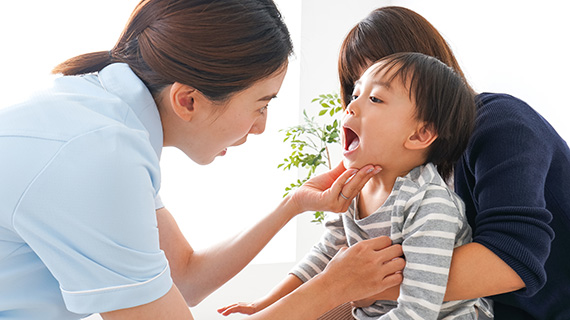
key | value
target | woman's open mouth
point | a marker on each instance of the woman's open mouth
(351, 140)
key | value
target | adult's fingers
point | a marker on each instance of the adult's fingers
(338, 171)
(349, 184)
(378, 243)
(374, 263)
(354, 184)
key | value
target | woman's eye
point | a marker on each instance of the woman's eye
(353, 97)
(375, 100)
(263, 110)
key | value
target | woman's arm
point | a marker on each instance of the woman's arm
(364, 263)
(311, 265)
(475, 272)
(369, 264)
(197, 274)
(171, 306)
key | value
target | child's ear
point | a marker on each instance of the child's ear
(183, 100)
(422, 138)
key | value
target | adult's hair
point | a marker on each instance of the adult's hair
(442, 99)
(219, 47)
(383, 32)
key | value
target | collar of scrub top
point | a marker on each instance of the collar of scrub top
(119, 79)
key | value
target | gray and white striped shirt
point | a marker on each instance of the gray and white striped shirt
(428, 219)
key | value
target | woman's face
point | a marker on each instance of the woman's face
(244, 114)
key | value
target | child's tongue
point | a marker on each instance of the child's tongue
(354, 144)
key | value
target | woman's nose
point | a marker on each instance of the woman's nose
(258, 126)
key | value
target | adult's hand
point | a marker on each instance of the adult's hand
(355, 273)
(334, 190)
(367, 268)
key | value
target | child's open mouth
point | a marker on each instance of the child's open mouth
(351, 140)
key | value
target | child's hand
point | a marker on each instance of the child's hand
(240, 307)
(334, 190)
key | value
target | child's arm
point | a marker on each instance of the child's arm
(290, 283)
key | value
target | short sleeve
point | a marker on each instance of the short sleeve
(90, 217)
(158, 203)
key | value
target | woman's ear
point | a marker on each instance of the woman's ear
(183, 100)
(422, 138)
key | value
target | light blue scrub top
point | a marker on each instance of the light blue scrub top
(79, 181)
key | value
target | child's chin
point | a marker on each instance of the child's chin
(350, 164)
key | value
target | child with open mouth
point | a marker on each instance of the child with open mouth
(413, 116)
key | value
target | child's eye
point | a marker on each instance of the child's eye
(353, 97)
(375, 100)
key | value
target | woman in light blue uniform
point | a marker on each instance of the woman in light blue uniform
(82, 229)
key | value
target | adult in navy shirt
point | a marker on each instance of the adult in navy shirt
(514, 178)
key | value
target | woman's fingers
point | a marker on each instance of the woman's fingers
(373, 263)
(349, 184)
(380, 243)
(354, 184)
(332, 191)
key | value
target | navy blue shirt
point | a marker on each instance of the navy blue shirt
(515, 180)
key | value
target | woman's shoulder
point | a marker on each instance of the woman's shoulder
(501, 103)
(503, 111)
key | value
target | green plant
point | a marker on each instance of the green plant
(310, 142)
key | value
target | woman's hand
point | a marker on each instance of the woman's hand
(334, 190)
(367, 268)
(355, 273)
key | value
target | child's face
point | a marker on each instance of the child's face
(377, 122)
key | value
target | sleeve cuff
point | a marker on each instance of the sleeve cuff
(118, 297)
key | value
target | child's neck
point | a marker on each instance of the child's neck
(376, 192)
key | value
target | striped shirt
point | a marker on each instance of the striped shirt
(428, 219)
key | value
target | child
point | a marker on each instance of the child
(413, 116)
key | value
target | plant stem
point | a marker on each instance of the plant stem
(328, 157)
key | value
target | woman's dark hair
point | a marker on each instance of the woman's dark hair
(386, 31)
(218, 47)
(442, 99)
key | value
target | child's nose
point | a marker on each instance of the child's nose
(351, 108)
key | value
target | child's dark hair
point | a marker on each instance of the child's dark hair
(442, 99)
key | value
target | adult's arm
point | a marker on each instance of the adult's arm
(475, 272)
(371, 263)
(492, 275)
(502, 179)
(171, 306)
(199, 273)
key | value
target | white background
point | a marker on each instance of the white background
(517, 47)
